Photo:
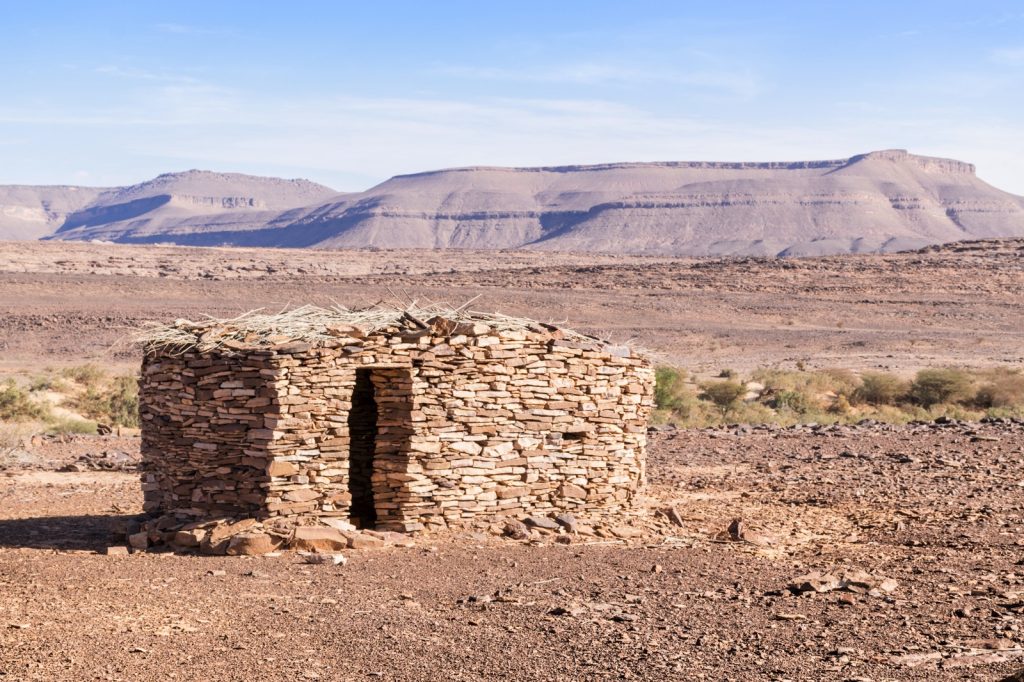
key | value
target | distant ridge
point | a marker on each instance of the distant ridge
(889, 200)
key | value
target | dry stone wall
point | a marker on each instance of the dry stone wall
(467, 425)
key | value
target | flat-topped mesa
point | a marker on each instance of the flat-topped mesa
(887, 200)
(387, 418)
(627, 165)
(932, 164)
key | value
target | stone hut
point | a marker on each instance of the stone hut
(396, 420)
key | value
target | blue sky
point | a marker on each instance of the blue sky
(349, 93)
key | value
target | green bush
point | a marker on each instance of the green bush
(71, 426)
(1003, 390)
(821, 381)
(116, 404)
(794, 400)
(86, 375)
(43, 382)
(668, 387)
(840, 406)
(880, 388)
(17, 405)
(724, 394)
(941, 385)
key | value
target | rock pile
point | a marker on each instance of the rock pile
(397, 424)
(247, 536)
(108, 460)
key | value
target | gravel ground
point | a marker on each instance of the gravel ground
(937, 508)
(960, 304)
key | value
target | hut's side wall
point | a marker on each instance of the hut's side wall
(519, 425)
(201, 417)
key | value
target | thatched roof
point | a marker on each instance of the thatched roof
(313, 324)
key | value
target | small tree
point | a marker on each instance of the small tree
(880, 388)
(936, 386)
(668, 387)
(724, 394)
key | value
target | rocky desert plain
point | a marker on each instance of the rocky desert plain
(848, 551)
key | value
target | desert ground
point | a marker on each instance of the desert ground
(866, 552)
(66, 303)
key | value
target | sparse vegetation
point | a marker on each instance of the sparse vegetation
(789, 397)
(70, 426)
(1001, 390)
(71, 400)
(86, 375)
(942, 385)
(115, 403)
(17, 404)
(669, 387)
(880, 388)
(724, 394)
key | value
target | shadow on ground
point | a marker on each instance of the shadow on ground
(87, 532)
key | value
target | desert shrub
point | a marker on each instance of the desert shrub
(724, 394)
(880, 388)
(669, 388)
(71, 426)
(820, 381)
(748, 413)
(840, 405)
(1001, 390)
(954, 411)
(14, 435)
(941, 385)
(116, 403)
(892, 414)
(86, 375)
(1014, 412)
(47, 382)
(776, 379)
(798, 401)
(839, 381)
(40, 382)
(17, 405)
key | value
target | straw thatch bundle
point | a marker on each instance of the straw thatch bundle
(308, 323)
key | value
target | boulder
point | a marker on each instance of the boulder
(541, 522)
(318, 539)
(253, 543)
(139, 541)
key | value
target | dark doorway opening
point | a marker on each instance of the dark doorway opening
(362, 429)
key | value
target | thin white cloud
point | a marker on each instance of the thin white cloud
(191, 30)
(738, 83)
(143, 75)
(1013, 56)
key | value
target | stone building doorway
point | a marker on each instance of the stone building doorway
(362, 428)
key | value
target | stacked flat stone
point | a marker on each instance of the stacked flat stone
(473, 424)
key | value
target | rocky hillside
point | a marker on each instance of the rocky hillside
(197, 200)
(28, 212)
(881, 201)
